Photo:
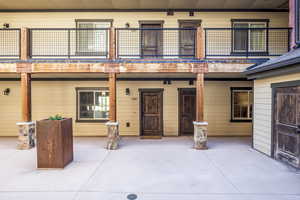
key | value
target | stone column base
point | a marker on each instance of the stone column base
(26, 138)
(112, 135)
(200, 135)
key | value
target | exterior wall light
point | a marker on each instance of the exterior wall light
(127, 91)
(6, 91)
(127, 25)
(191, 13)
(5, 25)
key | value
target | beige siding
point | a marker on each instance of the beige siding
(50, 98)
(263, 111)
(67, 19)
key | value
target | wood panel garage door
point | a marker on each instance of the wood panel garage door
(286, 124)
(151, 108)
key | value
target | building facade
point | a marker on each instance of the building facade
(153, 71)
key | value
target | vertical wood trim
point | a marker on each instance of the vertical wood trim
(24, 44)
(200, 97)
(26, 96)
(112, 97)
(112, 43)
(200, 54)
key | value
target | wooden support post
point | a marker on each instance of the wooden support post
(24, 44)
(112, 97)
(200, 49)
(26, 96)
(200, 97)
(112, 43)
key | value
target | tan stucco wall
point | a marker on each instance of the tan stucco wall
(263, 110)
(50, 98)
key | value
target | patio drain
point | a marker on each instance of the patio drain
(131, 196)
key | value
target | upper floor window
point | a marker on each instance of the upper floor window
(297, 21)
(241, 99)
(91, 37)
(92, 104)
(249, 36)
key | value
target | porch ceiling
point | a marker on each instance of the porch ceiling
(143, 4)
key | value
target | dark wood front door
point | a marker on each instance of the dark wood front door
(187, 37)
(151, 112)
(151, 44)
(286, 127)
(187, 110)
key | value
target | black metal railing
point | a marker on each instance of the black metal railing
(68, 42)
(246, 42)
(10, 40)
(156, 43)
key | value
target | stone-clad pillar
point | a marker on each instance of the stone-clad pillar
(26, 139)
(112, 125)
(26, 127)
(200, 126)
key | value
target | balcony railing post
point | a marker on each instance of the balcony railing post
(112, 43)
(25, 45)
(247, 43)
(200, 54)
(69, 45)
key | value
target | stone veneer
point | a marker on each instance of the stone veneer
(26, 138)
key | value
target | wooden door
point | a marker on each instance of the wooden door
(287, 124)
(152, 40)
(187, 38)
(151, 112)
(187, 110)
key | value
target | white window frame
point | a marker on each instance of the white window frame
(94, 91)
(250, 104)
(249, 24)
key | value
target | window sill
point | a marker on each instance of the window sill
(92, 121)
(241, 120)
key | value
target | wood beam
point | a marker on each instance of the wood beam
(200, 97)
(200, 49)
(112, 43)
(24, 44)
(112, 97)
(26, 96)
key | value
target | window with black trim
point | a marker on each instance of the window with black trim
(92, 104)
(297, 21)
(241, 104)
(91, 37)
(249, 37)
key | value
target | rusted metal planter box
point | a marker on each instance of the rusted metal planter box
(54, 143)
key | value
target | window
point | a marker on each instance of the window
(297, 21)
(92, 37)
(249, 36)
(241, 99)
(92, 104)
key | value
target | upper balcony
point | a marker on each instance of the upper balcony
(143, 43)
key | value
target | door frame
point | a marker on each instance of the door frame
(159, 22)
(179, 108)
(274, 86)
(158, 90)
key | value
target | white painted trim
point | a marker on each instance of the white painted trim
(200, 123)
(24, 123)
(112, 123)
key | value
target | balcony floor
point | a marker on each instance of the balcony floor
(153, 169)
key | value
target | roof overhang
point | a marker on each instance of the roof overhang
(144, 5)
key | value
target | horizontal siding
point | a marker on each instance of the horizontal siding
(262, 122)
(56, 97)
(67, 19)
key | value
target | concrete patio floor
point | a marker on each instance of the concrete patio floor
(167, 169)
